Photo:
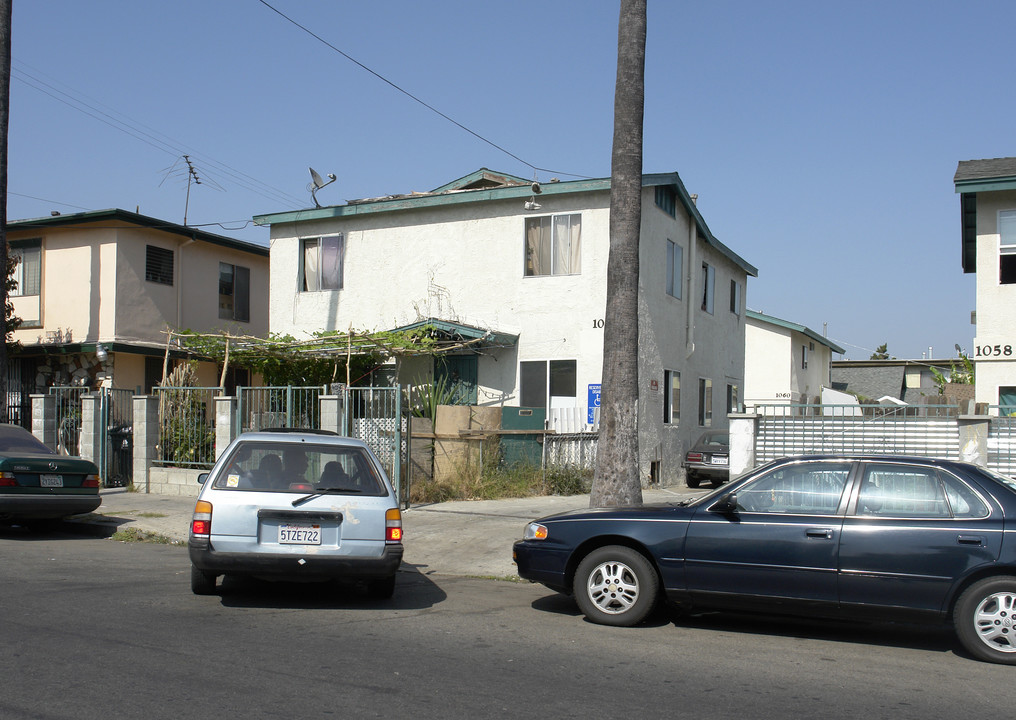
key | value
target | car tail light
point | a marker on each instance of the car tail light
(301, 487)
(7, 479)
(393, 526)
(694, 457)
(90, 481)
(201, 524)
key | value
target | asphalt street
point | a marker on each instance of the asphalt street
(95, 628)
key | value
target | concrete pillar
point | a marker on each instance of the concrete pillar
(226, 427)
(330, 408)
(91, 428)
(146, 439)
(743, 431)
(44, 420)
(973, 438)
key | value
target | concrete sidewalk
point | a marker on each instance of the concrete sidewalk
(451, 538)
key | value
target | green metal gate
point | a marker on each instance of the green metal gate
(115, 425)
(272, 407)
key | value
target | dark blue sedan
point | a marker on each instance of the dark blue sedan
(876, 537)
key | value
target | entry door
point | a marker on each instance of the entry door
(780, 544)
(459, 373)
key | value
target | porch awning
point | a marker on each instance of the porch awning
(454, 332)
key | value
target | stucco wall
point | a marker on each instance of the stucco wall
(78, 267)
(465, 263)
(467, 267)
(94, 287)
(768, 374)
(996, 303)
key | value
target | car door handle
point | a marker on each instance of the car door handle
(970, 540)
(825, 533)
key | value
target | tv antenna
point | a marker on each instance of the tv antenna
(192, 175)
(316, 183)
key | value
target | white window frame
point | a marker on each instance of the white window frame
(562, 258)
(705, 402)
(1006, 244)
(671, 404)
(312, 277)
(675, 269)
(550, 399)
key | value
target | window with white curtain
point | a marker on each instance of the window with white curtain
(554, 245)
(28, 273)
(322, 263)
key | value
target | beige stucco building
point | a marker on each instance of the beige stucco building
(523, 266)
(785, 363)
(96, 291)
(987, 190)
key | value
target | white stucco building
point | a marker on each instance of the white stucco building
(987, 190)
(525, 267)
(785, 363)
(96, 291)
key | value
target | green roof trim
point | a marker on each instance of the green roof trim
(796, 328)
(482, 178)
(97, 216)
(456, 330)
(459, 192)
(985, 184)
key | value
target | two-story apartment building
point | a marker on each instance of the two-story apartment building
(785, 363)
(96, 292)
(524, 266)
(987, 190)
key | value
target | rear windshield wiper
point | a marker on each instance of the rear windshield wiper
(324, 491)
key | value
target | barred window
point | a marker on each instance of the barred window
(159, 265)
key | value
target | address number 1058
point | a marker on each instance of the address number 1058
(993, 351)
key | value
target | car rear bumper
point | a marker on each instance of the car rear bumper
(294, 565)
(44, 507)
(708, 470)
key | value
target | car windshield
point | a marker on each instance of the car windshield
(15, 440)
(300, 467)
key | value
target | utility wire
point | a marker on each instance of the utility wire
(139, 132)
(413, 97)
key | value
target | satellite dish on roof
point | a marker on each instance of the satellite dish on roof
(317, 182)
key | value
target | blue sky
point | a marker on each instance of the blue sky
(821, 138)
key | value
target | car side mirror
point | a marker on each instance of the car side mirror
(202, 477)
(726, 505)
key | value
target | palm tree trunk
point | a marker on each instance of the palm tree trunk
(6, 7)
(616, 481)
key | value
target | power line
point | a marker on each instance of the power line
(141, 132)
(413, 97)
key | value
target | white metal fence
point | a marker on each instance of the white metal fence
(862, 429)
